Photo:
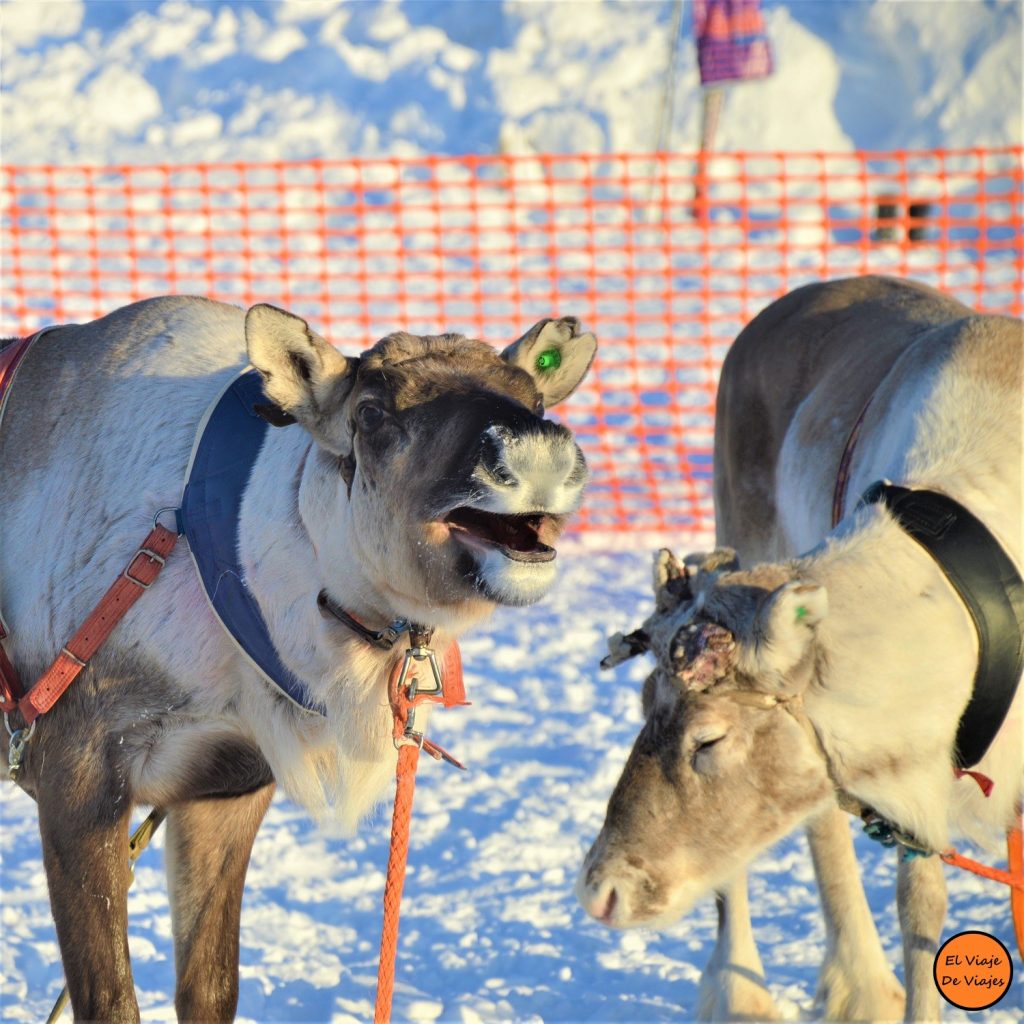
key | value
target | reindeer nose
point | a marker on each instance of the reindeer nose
(601, 901)
(540, 468)
(609, 907)
(492, 454)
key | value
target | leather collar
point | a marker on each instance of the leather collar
(385, 638)
(988, 583)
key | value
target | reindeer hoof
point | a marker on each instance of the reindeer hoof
(735, 994)
(863, 998)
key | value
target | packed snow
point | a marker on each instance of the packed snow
(491, 930)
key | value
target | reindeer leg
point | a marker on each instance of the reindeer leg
(83, 823)
(208, 847)
(855, 982)
(732, 986)
(921, 897)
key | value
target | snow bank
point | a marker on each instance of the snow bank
(184, 81)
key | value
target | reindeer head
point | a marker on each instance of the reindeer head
(719, 770)
(433, 471)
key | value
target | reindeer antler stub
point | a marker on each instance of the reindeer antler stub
(623, 647)
(702, 653)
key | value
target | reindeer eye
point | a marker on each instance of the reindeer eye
(370, 416)
(708, 743)
(703, 747)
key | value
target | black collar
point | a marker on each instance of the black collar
(385, 638)
(989, 585)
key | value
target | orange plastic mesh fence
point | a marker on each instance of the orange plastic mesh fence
(665, 256)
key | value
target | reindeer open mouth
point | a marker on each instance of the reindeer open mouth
(516, 536)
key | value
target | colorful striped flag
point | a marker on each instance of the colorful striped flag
(731, 40)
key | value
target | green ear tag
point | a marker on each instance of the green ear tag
(800, 612)
(550, 359)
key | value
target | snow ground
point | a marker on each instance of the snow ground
(491, 930)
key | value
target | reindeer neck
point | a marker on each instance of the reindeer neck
(283, 557)
(899, 660)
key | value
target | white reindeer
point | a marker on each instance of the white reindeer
(845, 670)
(421, 482)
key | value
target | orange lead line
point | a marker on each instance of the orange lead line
(1013, 877)
(404, 699)
(408, 759)
(1015, 849)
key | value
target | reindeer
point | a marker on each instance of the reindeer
(420, 481)
(842, 671)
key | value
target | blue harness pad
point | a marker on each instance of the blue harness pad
(222, 463)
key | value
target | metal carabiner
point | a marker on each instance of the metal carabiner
(417, 651)
(16, 748)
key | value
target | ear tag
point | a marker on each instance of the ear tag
(800, 612)
(550, 359)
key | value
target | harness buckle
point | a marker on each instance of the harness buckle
(409, 738)
(16, 748)
(152, 556)
(416, 686)
(387, 637)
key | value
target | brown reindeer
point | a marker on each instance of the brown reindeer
(419, 482)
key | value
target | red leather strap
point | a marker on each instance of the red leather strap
(10, 684)
(138, 576)
(985, 784)
(451, 673)
(10, 359)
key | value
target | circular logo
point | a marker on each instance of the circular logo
(973, 970)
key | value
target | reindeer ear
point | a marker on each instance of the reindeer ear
(786, 622)
(303, 375)
(556, 354)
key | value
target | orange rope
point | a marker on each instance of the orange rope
(957, 860)
(451, 694)
(408, 759)
(1014, 877)
(1015, 848)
